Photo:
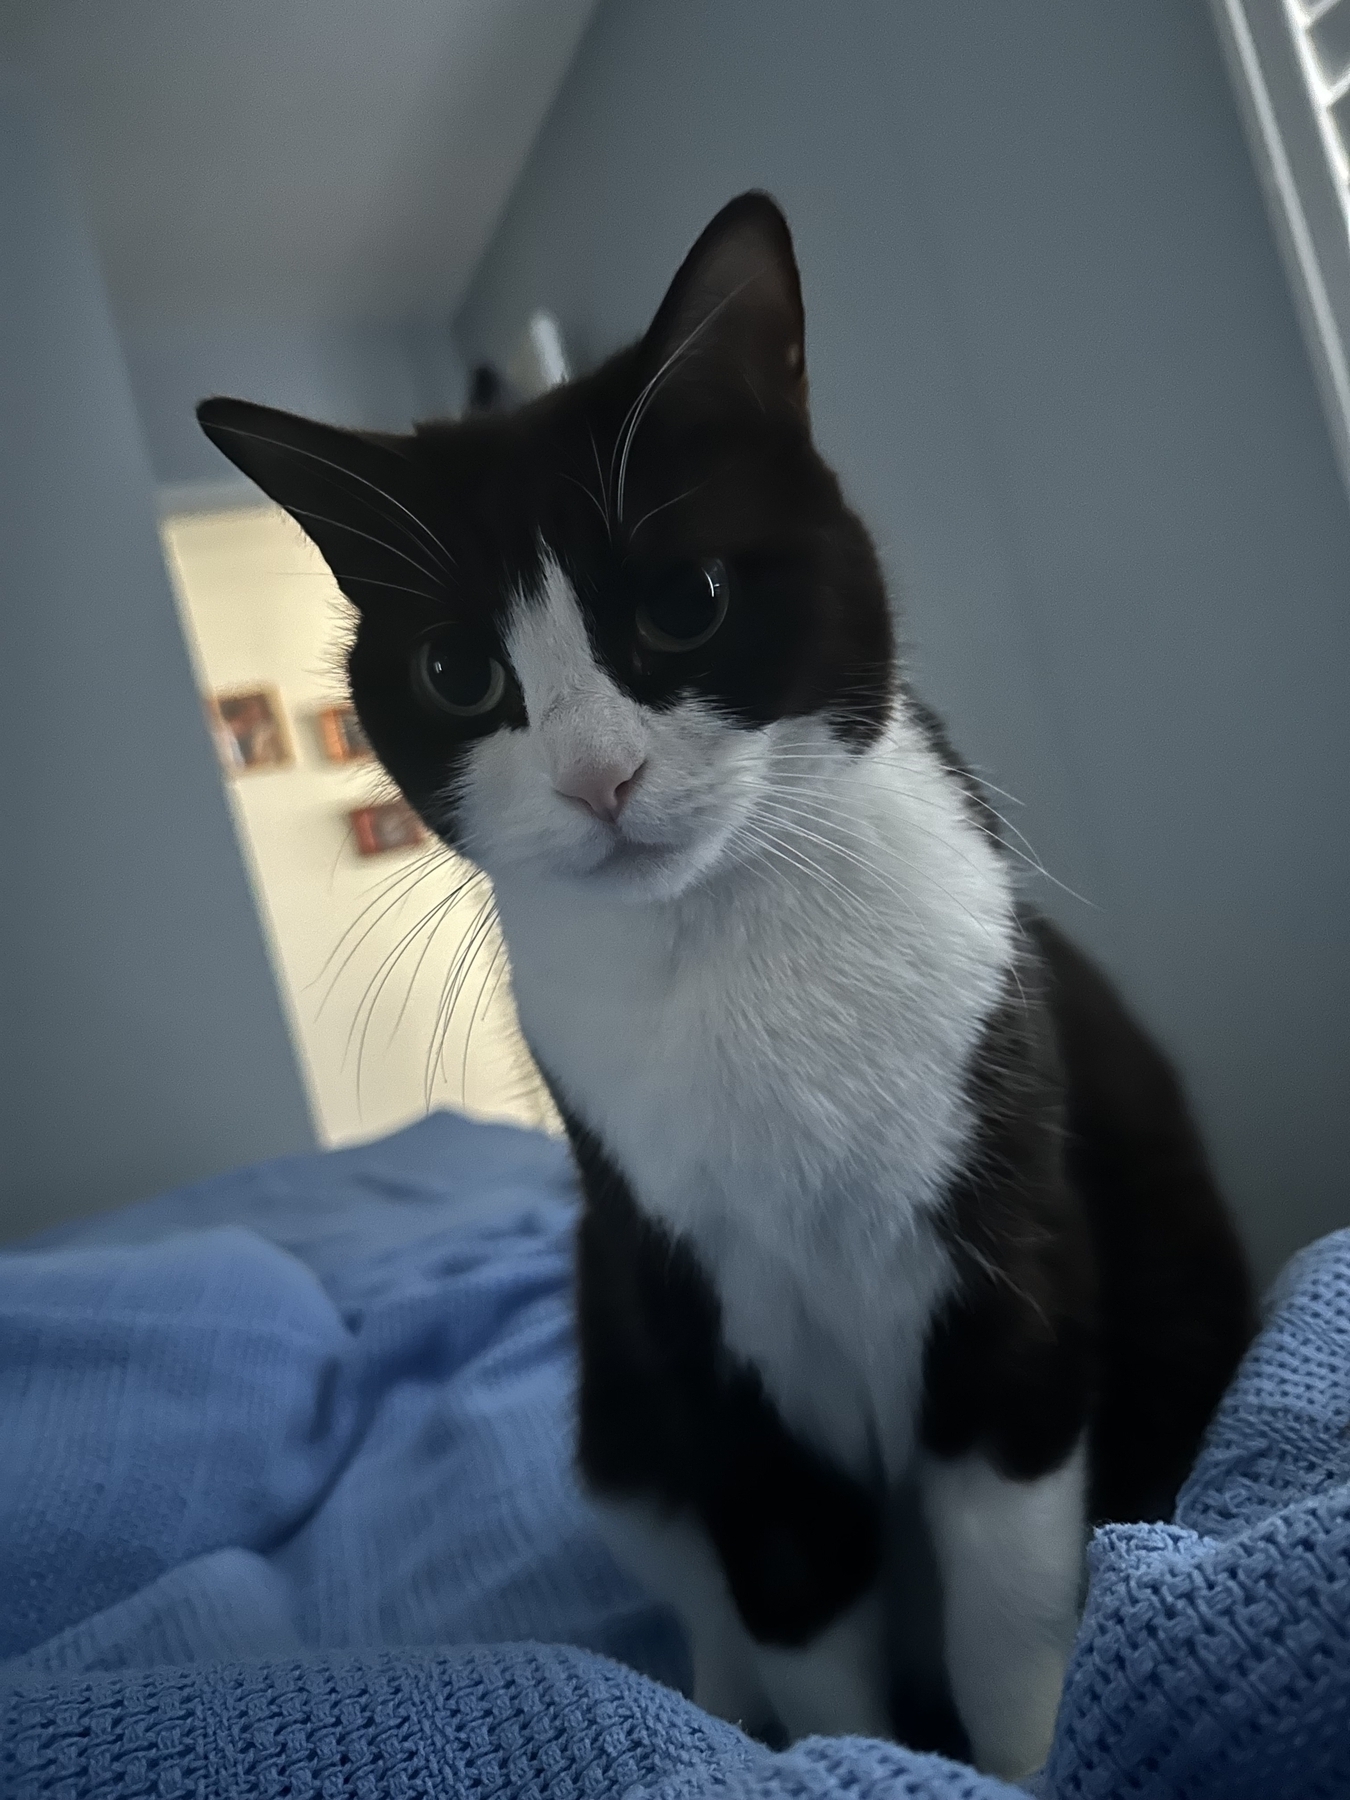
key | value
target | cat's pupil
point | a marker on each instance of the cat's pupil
(682, 606)
(462, 680)
(683, 603)
(456, 677)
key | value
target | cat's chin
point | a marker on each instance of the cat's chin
(641, 873)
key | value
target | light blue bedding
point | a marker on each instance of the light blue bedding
(278, 1451)
(319, 1404)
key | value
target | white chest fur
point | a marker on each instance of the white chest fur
(776, 1063)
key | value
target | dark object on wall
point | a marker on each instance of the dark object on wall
(389, 826)
(487, 390)
(250, 730)
(340, 734)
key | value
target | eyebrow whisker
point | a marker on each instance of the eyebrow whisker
(328, 463)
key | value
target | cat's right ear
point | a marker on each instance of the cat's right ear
(353, 493)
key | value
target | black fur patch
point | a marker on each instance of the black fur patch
(1010, 1366)
(1175, 1309)
(1102, 1283)
(670, 1417)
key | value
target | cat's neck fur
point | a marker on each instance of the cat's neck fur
(776, 1060)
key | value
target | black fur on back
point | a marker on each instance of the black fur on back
(1175, 1308)
(1102, 1280)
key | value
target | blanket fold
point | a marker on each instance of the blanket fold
(287, 1507)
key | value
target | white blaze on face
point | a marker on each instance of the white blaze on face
(583, 725)
(534, 800)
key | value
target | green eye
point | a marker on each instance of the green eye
(454, 677)
(683, 606)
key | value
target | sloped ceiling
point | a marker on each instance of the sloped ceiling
(325, 159)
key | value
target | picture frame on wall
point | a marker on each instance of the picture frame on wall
(250, 729)
(340, 735)
(389, 825)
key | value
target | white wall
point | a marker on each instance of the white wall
(141, 1039)
(362, 955)
(302, 159)
(1053, 356)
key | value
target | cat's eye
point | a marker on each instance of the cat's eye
(683, 606)
(454, 677)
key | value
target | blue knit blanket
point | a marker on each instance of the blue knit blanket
(287, 1509)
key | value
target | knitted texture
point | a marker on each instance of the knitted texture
(1214, 1655)
(520, 1721)
(517, 1721)
(271, 1443)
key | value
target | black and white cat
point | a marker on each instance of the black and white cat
(895, 1225)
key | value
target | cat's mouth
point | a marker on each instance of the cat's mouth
(663, 848)
(631, 856)
(643, 870)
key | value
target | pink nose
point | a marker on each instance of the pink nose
(602, 788)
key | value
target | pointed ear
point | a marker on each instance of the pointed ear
(736, 304)
(354, 494)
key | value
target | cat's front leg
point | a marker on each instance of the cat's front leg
(766, 1549)
(836, 1683)
(1010, 1559)
(832, 1682)
(671, 1555)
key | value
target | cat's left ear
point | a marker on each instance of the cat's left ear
(734, 310)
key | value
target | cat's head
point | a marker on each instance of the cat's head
(595, 633)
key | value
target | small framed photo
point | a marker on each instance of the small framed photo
(341, 736)
(249, 726)
(392, 825)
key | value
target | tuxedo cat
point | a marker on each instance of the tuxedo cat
(899, 1251)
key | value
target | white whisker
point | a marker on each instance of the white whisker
(648, 394)
(609, 524)
(413, 878)
(652, 511)
(350, 475)
(893, 887)
(589, 495)
(303, 512)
